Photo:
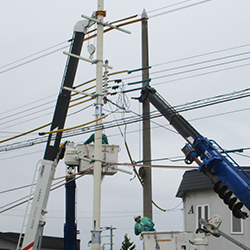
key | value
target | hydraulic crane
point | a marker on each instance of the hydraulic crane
(230, 181)
(53, 152)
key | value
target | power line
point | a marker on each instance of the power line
(17, 156)
(181, 8)
(193, 64)
(129, 120)
(24, 105)
(168, 6)
(32, 60)
(203, 54)
(202, 68)
(203, 62)
(14, 189)
(189, 64)
(34, 54)
(172, 159)
(26, 115)
(38, 116)
(201, 74)
(169, 75)
(224, 113)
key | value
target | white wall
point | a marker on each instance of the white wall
(217, 206)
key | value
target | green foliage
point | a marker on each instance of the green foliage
(126, 244)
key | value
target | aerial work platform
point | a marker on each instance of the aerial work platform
(82, 156)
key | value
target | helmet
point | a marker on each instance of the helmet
(137, 217)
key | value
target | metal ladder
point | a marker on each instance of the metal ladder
(243, 173)
(28, 207)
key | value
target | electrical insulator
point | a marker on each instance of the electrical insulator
(233, 203)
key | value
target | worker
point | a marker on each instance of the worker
(92, 139)
(143, 224)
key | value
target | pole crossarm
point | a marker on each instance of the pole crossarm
(84, 59)
(77, 91)
(105, 24)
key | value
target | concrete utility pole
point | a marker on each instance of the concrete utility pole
(96, 232)
(147, 190)
(111, 236)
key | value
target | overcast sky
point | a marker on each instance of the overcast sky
(28, 27)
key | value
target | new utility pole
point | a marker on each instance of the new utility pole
(96, 232)
(147, 190)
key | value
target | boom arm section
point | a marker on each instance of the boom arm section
(226, 175)
(36, 222)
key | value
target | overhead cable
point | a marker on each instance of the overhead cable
(203, 62)
(26, 198)
(202, 68)
(177, 73)
(20, 155)
(34, 54)
(129, 120)
(168, 6)
(200, 74)
(200, 55)
(180, 8)
(32, 60)
(27, 104)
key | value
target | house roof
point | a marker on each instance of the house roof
(47, 242)
(192, 180)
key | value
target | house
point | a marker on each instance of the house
(201, 201)
(8, 241)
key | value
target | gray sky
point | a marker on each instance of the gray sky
(30, 26)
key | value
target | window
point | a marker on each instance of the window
(202, 211)
(236, 225)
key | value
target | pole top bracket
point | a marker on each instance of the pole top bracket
(105, 24)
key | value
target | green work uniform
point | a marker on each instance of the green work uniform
(92, 139)
(145, 224)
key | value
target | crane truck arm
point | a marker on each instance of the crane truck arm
(53, 152)
(230, 181)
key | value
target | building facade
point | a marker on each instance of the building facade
(200, 201)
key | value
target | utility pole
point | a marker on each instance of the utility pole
(111, 236)
(111, 228)
(147, 190)
(96, 232)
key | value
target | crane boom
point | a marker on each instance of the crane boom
(230, 181)
(36, 220)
